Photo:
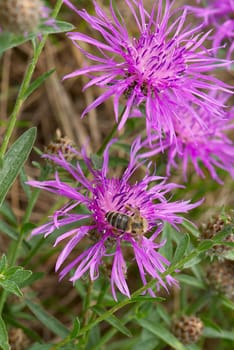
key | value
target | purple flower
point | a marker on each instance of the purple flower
(210, 146)
(164, 68)
(116, 214)
(218, 14)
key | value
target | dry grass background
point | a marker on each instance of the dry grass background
(59, 104)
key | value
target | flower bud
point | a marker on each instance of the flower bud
(187, 329)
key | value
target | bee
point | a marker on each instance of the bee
(134, 224)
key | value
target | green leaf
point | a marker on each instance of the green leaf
(190, 228)
(191, 281)
(11, 287)
(76, 328)
(10, 40)
(20, 275)
(205, 245)
(48, 320)
(227, 302)
(114, 321)
(181, 248)
(23, 180)
(162, 333)
(38, 346)
(167, 249)
(36, 83)
(213, 333)
(3, 264)
(4, 345)
(8, 230)
(14, 160)
(56, 27)
(8, 214)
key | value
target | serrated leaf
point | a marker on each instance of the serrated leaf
(114, 321)
(162, 333)
(76, 328)
(48, 320)
(31, 279)
(4, 345)
(36, 83)
(8, 230)
(14, 160)
(20, 275)
(181, 248)
(11, 287)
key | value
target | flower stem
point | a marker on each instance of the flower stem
(24, 86)
(13, 118)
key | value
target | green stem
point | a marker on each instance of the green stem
(13, 118)
(127, 301)
(24, 86)
(110, 135)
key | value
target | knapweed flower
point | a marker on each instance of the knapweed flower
(220, 15)
(23, 16)
(208, 146)
(118, 215)
(163, 69)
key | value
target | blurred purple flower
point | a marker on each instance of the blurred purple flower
(210, 146)
(220, 15)
(163, 68)
(101, 196)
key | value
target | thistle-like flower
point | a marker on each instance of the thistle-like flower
(218, 14)
(117, 215)
(208, 146)
(163, 68)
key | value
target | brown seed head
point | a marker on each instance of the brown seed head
(61, 145)
(211, 229)
(20, 16)
(18, 339)
(220, 276)
(187, 329)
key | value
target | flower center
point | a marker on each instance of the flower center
(154, 63)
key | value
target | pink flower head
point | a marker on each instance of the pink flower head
(164, 68)
(220, 15)
(210, 147)
(108, 205)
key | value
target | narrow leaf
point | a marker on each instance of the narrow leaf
(191, 281)
(36, 83)
(115, 322)
(57, 27)
(4, 345)
(14, 160)
(8, 230)
(7, 213)
(48, 320)
(76, 328)
(162, 333)
(181, 248)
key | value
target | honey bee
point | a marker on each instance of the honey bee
(134, 224)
